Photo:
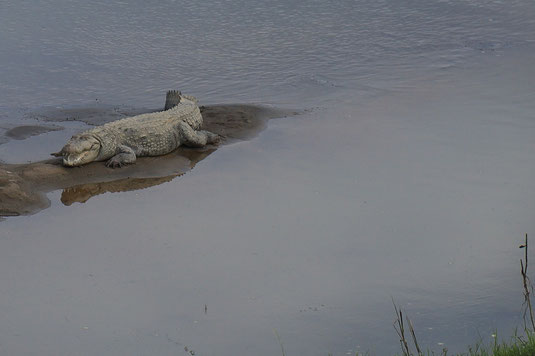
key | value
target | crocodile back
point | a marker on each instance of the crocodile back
(149, 134)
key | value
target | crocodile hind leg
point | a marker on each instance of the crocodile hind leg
(125, 155)
(190, 137)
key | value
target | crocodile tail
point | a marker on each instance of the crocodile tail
(172, 99)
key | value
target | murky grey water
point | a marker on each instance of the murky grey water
(409, 176)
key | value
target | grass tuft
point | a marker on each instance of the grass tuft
(518, 345)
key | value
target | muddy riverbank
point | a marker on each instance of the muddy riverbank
(23, 187)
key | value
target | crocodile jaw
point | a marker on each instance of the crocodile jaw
(81, 149)
(78, 159)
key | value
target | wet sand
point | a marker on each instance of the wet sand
(23, 187)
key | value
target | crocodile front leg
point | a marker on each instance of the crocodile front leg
(125, 155)
(190, 137)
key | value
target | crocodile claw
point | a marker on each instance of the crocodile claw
(112, 163)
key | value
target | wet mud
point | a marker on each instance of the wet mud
(23, 187)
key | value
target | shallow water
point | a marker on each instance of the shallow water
(408, 176)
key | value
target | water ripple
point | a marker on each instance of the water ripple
(77, 51)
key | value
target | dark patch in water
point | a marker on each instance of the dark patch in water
(24, 132)
(90, 116)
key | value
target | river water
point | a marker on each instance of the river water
(408, 175)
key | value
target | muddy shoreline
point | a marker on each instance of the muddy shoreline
(23, 187)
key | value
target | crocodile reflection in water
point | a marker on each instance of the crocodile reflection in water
(83, 192)
(23, 187)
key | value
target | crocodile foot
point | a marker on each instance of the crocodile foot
(114, 163)
(212, 138)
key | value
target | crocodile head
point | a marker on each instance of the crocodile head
(81, 149)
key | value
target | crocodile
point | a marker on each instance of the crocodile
(121, 142)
